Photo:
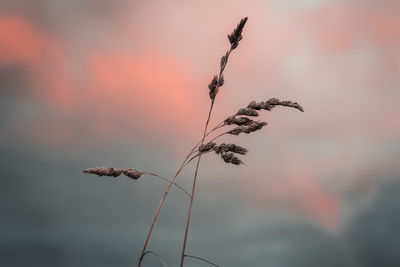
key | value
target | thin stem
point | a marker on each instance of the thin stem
(218, 136)
(219, 125)
(183, 164)
(160, 260)
(167, 180)
(198, 161)
(195, 257)
(159, 208)
(194, 187)
(192, 158)
(171, 181)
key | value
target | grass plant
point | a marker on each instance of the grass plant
(243, 121)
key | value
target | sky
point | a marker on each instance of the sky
(124, 84)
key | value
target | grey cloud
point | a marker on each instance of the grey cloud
(54, 215)
(45, 11)
(374, 231)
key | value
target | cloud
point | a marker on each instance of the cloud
(371, 231)
(54, 214)
(117, 76)
(119, 93)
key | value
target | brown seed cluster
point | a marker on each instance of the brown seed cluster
(103, 171)
(237, 120)
(247, 112)
(214, 85)
(225, 151)
(224, 60)
(271, 103)
(132, 173)
(223, 148)
(100, 171)
(252, 111)
(252, 127)
(258, 105)
(236, 35)
(231, 158)
(277, 102)
(234, 38)
(206, 147)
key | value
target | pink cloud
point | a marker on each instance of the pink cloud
(121, 93)
(343, 80)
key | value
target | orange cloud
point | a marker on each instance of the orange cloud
(151, 89)
(23, 44)
(20, 42)
(296, 188)
(121, 93)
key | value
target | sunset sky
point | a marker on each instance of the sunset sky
(124, 84)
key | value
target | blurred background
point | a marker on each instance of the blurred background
(124, 84)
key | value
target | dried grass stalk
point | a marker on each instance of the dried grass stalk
(234, 39)
(226, 151)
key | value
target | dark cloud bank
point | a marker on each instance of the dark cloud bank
(53, 215)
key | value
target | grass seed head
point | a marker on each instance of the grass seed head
(206, 147)
(103, 171)
(255, 105)
(247, 112)
(252, 127)
(133, 173)
(224, 60)
(238, 121)
(213, 86)
(276, 102)
(236, 35)
(221, 81)
(230, 148)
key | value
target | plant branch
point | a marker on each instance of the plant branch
(219, 125)
(192, 158)
(195, 257)
(194, 186)
(167, 180)
(218, 136)
(171, 181)
(160, 260)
